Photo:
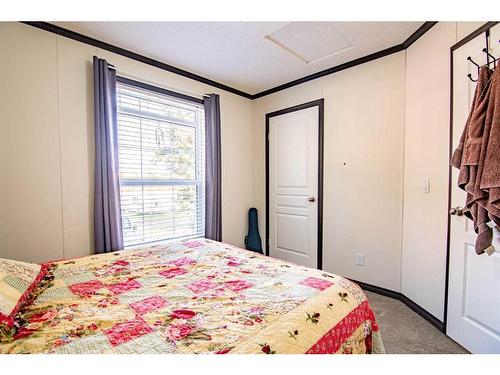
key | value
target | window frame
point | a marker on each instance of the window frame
(199, 180)
(160, 90)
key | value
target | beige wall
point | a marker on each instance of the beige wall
(387, 120)
(46, 143)
(30, 195)
(426, 156)
(364, 117)
(374, 205)
(427, 119)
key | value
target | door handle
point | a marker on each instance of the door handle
(311, 199)
(458, 211)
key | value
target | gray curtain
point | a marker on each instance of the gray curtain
(213, 204)
(107, 211)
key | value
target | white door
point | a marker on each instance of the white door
(293, 186)
(474, 280)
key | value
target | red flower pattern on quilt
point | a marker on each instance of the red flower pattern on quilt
(117, 267)
(201, 286)
(223, 351)
(182, 314)
(123, 332)
(149, 304)
(317, 283)
(176, 332)
(87, 288)
(193, 244)
(124, 286)
(182, 261)
(173, 272)
(237, 285)
(23, 332)
(335, 337)
(43, 316)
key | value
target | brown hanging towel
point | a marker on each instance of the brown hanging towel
(487, 189)
(468, 157)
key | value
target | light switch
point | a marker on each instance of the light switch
(426, 185)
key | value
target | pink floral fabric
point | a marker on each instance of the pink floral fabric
(86, 289)
(201, 286)
(316, 283)
(149, 304)
(123, 332)
(124, 286)
(173, 272)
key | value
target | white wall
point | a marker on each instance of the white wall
(364, 115)
(46, 143)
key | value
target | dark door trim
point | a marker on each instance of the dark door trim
(483, 29)
(320, 103)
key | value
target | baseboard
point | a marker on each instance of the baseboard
(408, 302)
(378, 290)
(423, 313)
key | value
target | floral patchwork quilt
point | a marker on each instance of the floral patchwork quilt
(197, 296)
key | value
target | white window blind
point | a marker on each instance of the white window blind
(161, 147)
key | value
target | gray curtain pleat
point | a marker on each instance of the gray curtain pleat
(213, 204)
(107, 211)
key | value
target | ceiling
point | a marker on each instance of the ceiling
(250, 56)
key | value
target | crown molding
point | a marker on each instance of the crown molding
(377, 55)
(170, 68)
(132, 55)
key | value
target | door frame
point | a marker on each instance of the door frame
(483, 29)
(320, 103)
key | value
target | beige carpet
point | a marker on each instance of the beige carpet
(405, 332)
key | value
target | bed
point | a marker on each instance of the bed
(197, 296)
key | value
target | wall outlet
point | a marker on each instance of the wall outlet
(360, 259)
(426, 185)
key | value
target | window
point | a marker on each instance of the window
(161, 147)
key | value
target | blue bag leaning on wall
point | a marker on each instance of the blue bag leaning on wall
(252, 240)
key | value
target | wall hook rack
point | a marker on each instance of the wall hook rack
(478, 67)
(490, 55)
(489, 59)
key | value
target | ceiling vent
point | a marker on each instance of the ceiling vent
(310, 41)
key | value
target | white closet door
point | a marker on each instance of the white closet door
(474, 280)
(293, 186)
